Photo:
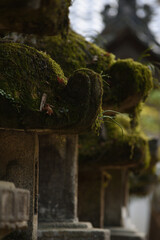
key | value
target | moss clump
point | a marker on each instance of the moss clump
(26, 74)
(126, 82)
(117, 149)
(73, 52)
(129, 85)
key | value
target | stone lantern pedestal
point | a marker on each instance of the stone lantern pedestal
(58, 192)
(115, 214)
(103, 180)
(107, 197)
(19, 164)
(14, 208)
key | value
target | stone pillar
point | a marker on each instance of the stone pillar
(14, 208)
(115, 207)
(58, 192)
(154, 225)
(89, 196)
(19, 164)
(103, 195)
(58, 179)
(114, 198)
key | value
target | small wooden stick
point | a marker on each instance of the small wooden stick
(43, 101)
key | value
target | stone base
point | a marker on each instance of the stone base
(125, 234)
(57, 225)
(14, 208)
(79, 231)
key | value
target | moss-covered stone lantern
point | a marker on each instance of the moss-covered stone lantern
(36, 98)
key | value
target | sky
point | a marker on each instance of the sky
(85, 16)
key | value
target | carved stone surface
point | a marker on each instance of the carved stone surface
(14, 208)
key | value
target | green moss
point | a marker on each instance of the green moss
(126, 82)
(119, 149)
(26, 74)
(73, 52)
(129, 85)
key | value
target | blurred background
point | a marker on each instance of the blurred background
(130, 29)
(86, 18)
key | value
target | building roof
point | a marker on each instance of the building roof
(127, 25)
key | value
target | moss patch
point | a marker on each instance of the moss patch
(117, 150)
(126, 82)
(129, 86)
(26, 74)
(75, 52)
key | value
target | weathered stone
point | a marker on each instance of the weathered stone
(126, 234)
(154, 233)
(74, 234)
(58, 192)
(89, 195)
(58, 178)
(19, 164)
(14, 208)
(115, 198)
(106, 191)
